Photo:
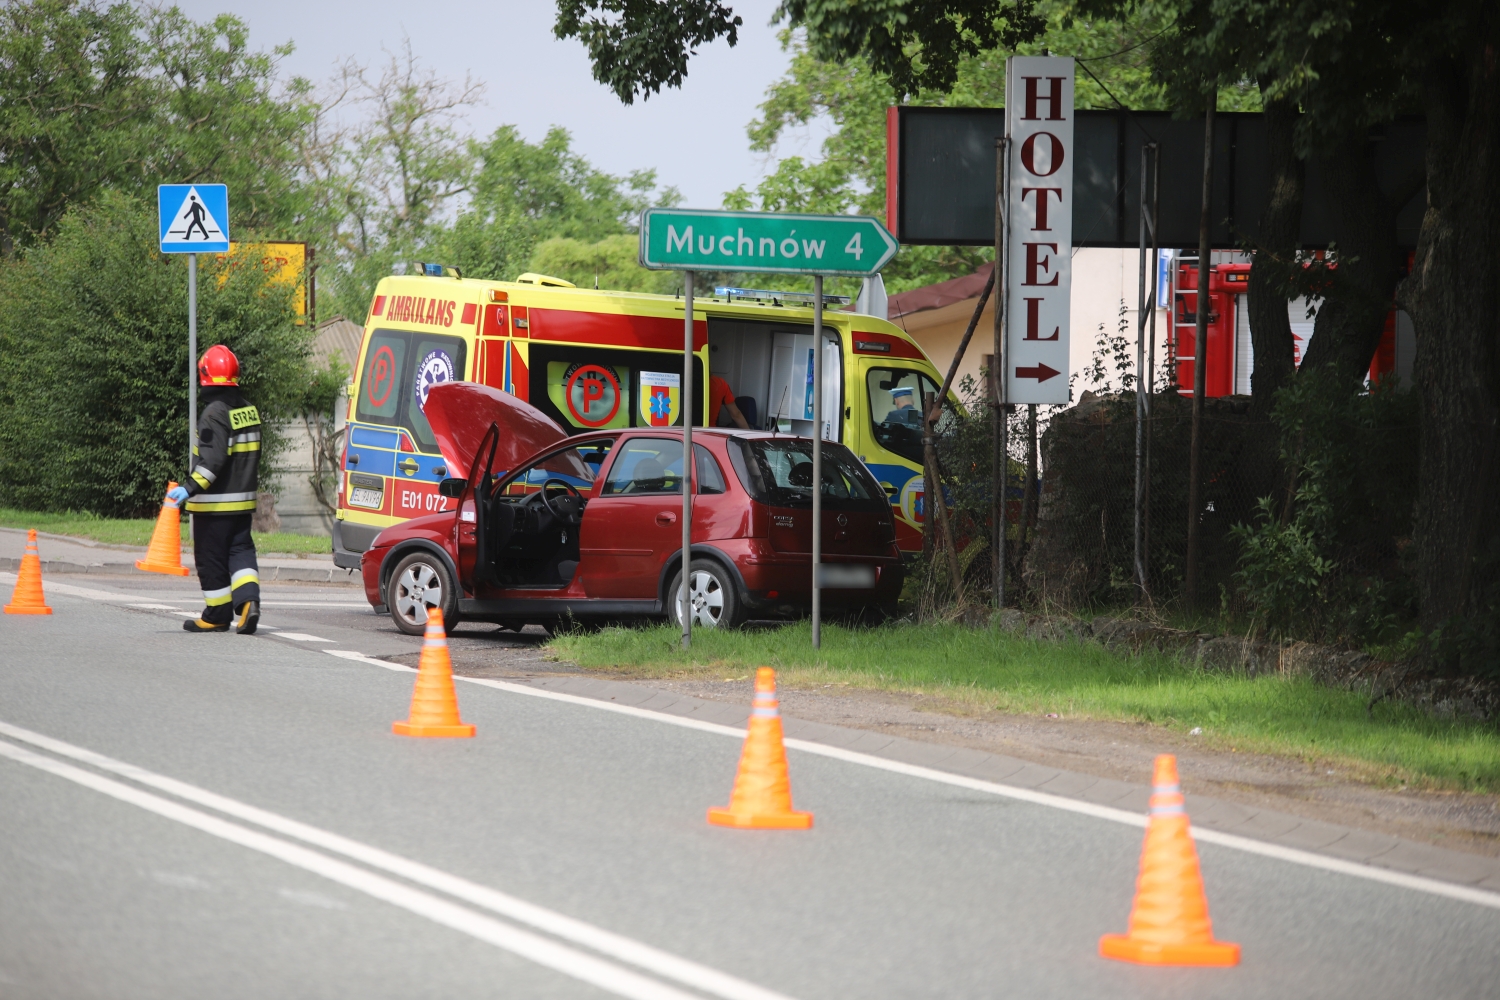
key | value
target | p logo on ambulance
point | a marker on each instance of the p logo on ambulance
(593, 394)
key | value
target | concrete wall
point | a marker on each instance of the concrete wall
(296, 503)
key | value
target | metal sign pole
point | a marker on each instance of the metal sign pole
(1142, 388)
(997, 363)
(685, 591)
(817, 463)
(192, 356)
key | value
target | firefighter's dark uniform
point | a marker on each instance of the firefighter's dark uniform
(221, 498)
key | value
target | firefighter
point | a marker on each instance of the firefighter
(220, 491)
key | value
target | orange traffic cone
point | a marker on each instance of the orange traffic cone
(164, 554)
(1169, 923)
(434, 704)
(762, 797)
(27, 598)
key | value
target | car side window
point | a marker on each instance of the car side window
(710, 476)
(645, 465)
(577, 466)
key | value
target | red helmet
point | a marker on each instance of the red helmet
(219, 366)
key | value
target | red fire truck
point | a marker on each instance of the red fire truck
(1230, 357)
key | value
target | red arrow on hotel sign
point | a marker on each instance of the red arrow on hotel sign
(1041, 372)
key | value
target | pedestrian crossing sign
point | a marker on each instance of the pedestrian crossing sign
(194, 218)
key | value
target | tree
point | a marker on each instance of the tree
(94, 364)
(1350, 65)
(385, 159)
(850, 173)
(94, 98)
(557, 191)
(613, 262)
(646, 44)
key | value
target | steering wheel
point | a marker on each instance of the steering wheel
(567, 508)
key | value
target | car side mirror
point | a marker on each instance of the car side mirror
(453, 487)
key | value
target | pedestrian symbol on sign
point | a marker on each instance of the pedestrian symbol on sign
(194, 218)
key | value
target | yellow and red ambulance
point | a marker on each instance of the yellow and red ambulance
(594, 359)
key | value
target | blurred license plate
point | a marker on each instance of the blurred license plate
(362, 497)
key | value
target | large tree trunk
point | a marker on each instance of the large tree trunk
(1275, 255)
(1453, 296)
(1352, 316)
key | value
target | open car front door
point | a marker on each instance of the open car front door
(487, 433)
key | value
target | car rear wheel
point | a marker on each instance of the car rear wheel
(421, 581)
(712, 596)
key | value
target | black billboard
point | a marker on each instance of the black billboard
(942, 168)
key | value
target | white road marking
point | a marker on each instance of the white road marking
(153, 607)
(616, 946)
(540, 950)
(364, 605)
(1250, 846)
(70, 590)
(301, 637)
(349, 654)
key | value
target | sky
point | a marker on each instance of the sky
(694, 137)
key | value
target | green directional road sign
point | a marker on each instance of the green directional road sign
(679, 239)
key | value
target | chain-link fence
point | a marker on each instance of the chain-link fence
(1304, 516)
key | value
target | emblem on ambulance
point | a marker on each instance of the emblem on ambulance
(660, 396)
(912, 496)
(593, 394)
(436, 367)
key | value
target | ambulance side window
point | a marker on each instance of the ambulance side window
(896, 396)
(400, 369)
(435, 360)
(385, 361)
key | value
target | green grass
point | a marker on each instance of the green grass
(976, 669)
(137, 531)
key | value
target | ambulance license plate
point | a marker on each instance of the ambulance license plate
(362, 497)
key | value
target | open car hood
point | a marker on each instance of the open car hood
(461, 413)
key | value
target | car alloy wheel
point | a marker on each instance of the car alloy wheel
(420, 581)
(713, 601)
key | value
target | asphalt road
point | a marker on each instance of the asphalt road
(254, 829)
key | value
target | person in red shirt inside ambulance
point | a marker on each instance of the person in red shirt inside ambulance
(721, 402)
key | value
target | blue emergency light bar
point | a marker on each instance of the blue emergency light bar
(438, 270)
(776, 298)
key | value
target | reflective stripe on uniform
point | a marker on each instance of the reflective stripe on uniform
(249, 441)
(203, 484)
(203, 473)
(228, 497)
(214, 598)
(242, 577)
(207, 507)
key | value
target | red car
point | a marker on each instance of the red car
(547, 527)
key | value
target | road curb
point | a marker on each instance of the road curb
(269, 573)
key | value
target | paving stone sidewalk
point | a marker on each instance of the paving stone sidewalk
(1266, 825)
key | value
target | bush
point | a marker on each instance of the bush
(93, 360)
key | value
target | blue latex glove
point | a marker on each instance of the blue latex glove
(176, 495)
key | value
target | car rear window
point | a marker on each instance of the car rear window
(778, 471)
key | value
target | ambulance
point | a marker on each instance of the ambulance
(593, 360)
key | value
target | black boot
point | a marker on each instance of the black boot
(249, 617)
(199, 625)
